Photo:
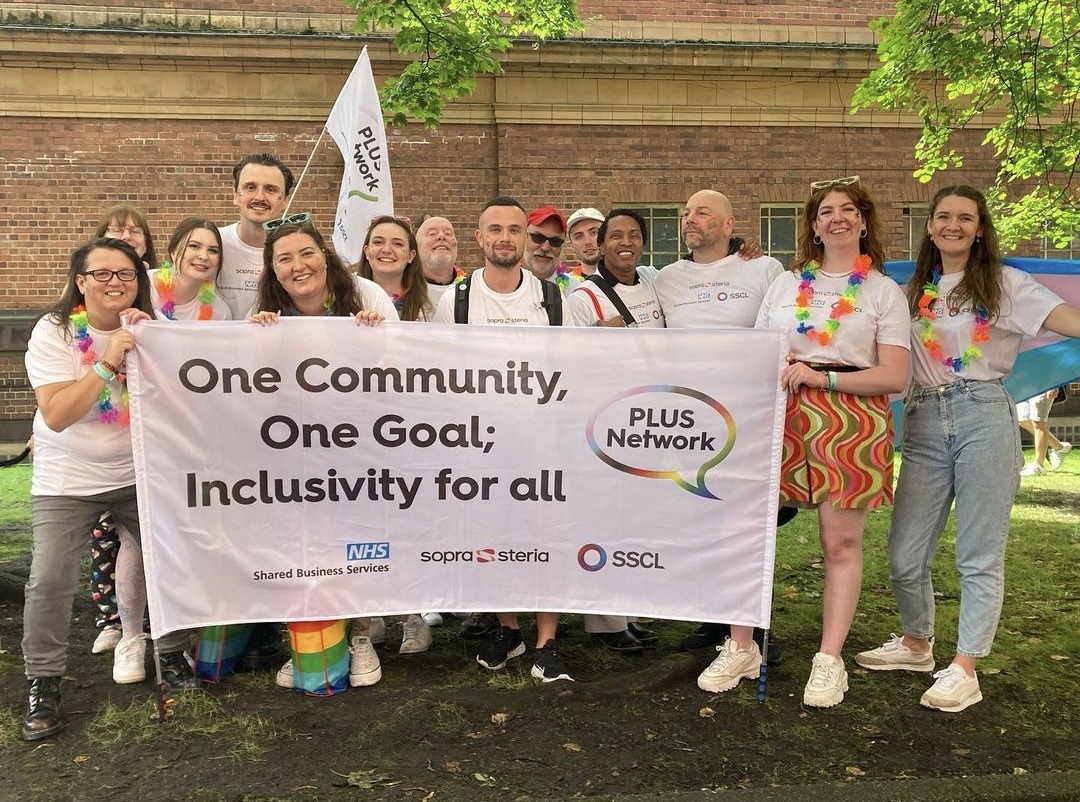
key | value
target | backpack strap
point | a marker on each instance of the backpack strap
(613, 296)
(461, 301)
(552, 302)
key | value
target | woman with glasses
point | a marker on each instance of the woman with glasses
(390, 260)
(968, 315)
(83, 468)
(849, 351)
(302, 277)
(128, 224)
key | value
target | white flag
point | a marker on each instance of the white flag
(356, 124)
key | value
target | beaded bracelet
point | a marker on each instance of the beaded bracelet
(103, 372)
(109, 367)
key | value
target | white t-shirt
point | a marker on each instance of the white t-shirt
(1025, 304)
(190, 310)
(640, 299)
(88, 457)
(725, 293)
(880, 317)
(241, 266)
(374, 298)
(523, 306)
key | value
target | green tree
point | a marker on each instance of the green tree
(456, 41)
(1012, 69)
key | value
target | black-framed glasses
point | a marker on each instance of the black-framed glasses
(125, 275)
(292, 219)
(835, 182)
(540, 239)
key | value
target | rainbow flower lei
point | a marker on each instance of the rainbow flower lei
(107, 413)
(163, 283)
(980, 332)
(459, 275)
(563, 274)
(844, 306)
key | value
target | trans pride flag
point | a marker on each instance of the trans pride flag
(1044, 362)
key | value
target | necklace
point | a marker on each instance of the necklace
(163, 283)
(564, 273)
(107, 413)
(459, 275)
(844, 306)
(980, 331)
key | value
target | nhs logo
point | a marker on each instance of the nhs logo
(367, 551)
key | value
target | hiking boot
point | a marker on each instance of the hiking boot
(893, 655)
(106, 640)
(1056, 455)
(284, 677)
(129, 660)
(730, 667)
(548, 665)
(364, 668)
(176, 672)
(43, 711)
(377, 631)
(953, 691)
(415, 636)
(500, 647)
(264, 649)
(706, 636)
(478, 625)
(827, 683)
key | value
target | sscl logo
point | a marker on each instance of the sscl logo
(592, 557)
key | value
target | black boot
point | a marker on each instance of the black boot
(176, 673)
(43, 713)
(264, 650)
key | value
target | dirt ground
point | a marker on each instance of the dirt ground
(439, 728)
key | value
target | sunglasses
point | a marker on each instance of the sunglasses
(835, 182)
(292, 219)
(540, 239)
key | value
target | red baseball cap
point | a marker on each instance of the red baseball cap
(538, 216)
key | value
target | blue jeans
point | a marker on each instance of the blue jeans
(960, 442)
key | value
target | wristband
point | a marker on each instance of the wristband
(103, 372)
(832, 379)
(109, 366)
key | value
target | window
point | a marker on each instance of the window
(664, 238)
(1070, 252)
(914, 228)
(779, 226)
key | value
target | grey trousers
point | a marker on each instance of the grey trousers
(62, 529)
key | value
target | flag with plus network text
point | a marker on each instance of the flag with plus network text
(356, 125)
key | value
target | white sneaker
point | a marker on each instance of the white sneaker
(377, 631)
(364, 668)
(1056, 455)
(730, 667)
(1033, 469)
(129, 660)
(953, 691)
(827, 683)
(284, 677)
(893, 655)
(106, 640)
(432, 619)
(415, 636)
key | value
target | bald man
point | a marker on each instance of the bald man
(438, 250)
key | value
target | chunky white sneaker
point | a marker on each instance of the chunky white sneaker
(432, 619)
(953, 691)
(364, 668)
(893, 655)
(1056, 455)
(1033, 469)
(730, 667)
(106, 640)
(827, 683)
(377, 631)
(415, 636)
(284, 677)
(129, 660)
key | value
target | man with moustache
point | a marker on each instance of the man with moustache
(437, 246)
(546, 235)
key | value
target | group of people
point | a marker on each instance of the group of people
(856, 337)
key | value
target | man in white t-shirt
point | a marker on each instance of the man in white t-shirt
(436, 245)
(261, 187)
(582, 227)
(714, 287)
(503, 292)
(543, 247)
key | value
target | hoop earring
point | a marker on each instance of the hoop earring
(862, 234)
(817, 240)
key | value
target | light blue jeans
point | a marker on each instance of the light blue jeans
(960, 442)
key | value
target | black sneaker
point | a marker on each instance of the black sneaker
(176, 672)
(548, 664)
(500, 647)
(478, 625)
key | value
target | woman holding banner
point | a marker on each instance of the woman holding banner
(83, 468)
(849, 351)
(390, 260)
(302, 277)
(969, 314)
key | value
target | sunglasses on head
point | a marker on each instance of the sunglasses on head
(835, 182)
(292, 219)
(540, 239)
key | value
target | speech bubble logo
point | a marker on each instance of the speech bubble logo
(673, 436)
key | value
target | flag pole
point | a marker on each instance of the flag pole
(322, 132)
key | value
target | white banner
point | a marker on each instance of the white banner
(356, 125)
(317, 469)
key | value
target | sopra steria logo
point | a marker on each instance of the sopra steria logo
(485, 555)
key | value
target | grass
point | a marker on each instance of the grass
(14, 511)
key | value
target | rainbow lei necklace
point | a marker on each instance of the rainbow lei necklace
(843, 307)
(107, 413)
(459, 275)
(980, 331)
(564, 273)
(163, 283)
